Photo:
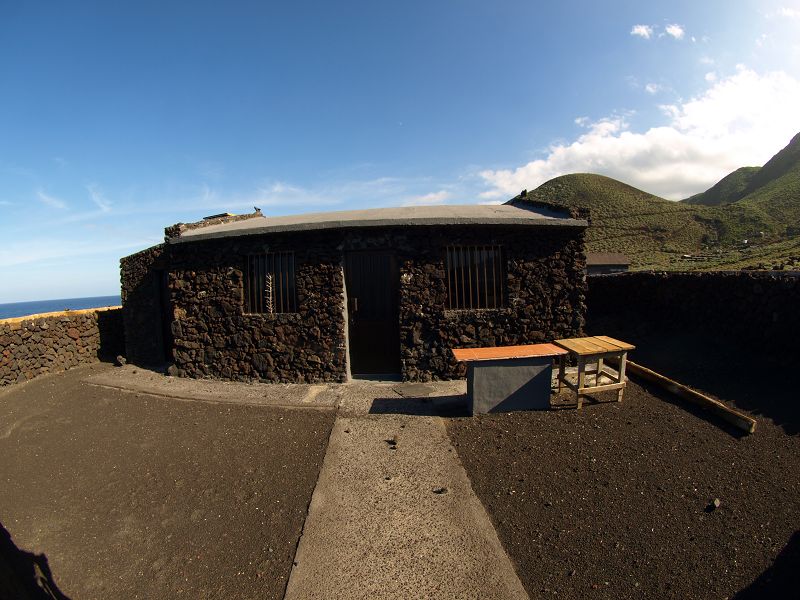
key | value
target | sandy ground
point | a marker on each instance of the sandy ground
(133, 495)
(125, 483)
(616, 501)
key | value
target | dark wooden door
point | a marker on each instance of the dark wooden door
(373, 322)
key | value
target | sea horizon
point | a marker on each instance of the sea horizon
(11, 310)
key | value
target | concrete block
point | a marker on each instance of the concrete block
(509, 385)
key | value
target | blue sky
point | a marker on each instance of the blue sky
(117, 119)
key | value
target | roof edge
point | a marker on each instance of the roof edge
(375, 223)
(176, 231)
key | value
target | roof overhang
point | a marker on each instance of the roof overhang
(417, 216)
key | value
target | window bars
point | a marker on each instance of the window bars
(475, 277)
(269, 285)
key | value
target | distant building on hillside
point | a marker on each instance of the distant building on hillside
(604, 263)
(318, 297)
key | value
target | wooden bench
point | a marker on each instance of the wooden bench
(508, 378)
(590, 353)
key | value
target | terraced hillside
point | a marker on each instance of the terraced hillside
(750, 219)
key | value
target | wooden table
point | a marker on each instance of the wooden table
(507, 378)
(590, 351)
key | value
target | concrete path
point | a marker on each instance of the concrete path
(134, 379)
(393, 514)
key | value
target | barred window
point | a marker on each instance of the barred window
(269, 285)
(475, 277)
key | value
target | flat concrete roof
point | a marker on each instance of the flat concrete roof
(607, 258)
(450, 214)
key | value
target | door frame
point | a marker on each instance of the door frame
(346, 308)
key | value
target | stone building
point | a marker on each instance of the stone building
(318, 297)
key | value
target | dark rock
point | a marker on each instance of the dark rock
(202, 286)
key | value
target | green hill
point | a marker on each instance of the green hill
(784, 163)
(729, 189)
(648, 229)
(774, 192)
(751, 218)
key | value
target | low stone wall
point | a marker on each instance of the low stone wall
(146, 311)
(52, 342)
(758, 311)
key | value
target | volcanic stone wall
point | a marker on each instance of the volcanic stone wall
(143, 277)
(759, 308)
(54, 342)
(214, 337)
(544, 295)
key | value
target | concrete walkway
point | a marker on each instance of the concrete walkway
(393, 514)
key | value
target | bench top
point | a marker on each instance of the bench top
(598, 344)
(503, 352)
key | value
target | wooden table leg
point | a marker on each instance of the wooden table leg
(599, 370)
(561, 367)
(622, 359)
(581, 377)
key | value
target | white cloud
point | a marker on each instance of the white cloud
(428, 199)
(791, 13)
(643, 31)
(675, 31)
(51, 201)
(652, 88)
(740, 120)
(706, 60)
(97, 196)
(711, 77)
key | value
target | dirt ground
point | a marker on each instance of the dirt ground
(130, 495)
(616, 501)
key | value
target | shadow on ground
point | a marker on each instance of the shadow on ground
(457, 405)
(25, 575)
(749, 377)
(423, 406)
(782, 579)
(693, 409)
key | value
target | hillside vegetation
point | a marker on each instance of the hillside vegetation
(729, 189)
(750, 219)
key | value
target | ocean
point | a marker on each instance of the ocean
(23, 309)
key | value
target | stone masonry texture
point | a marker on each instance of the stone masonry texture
(210, 335)
(142, 278)
(755, 308)
(33, 346)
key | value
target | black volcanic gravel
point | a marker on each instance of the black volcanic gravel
(128, 495)
(617, 500)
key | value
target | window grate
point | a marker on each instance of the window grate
(269, 285)
(475, 277)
